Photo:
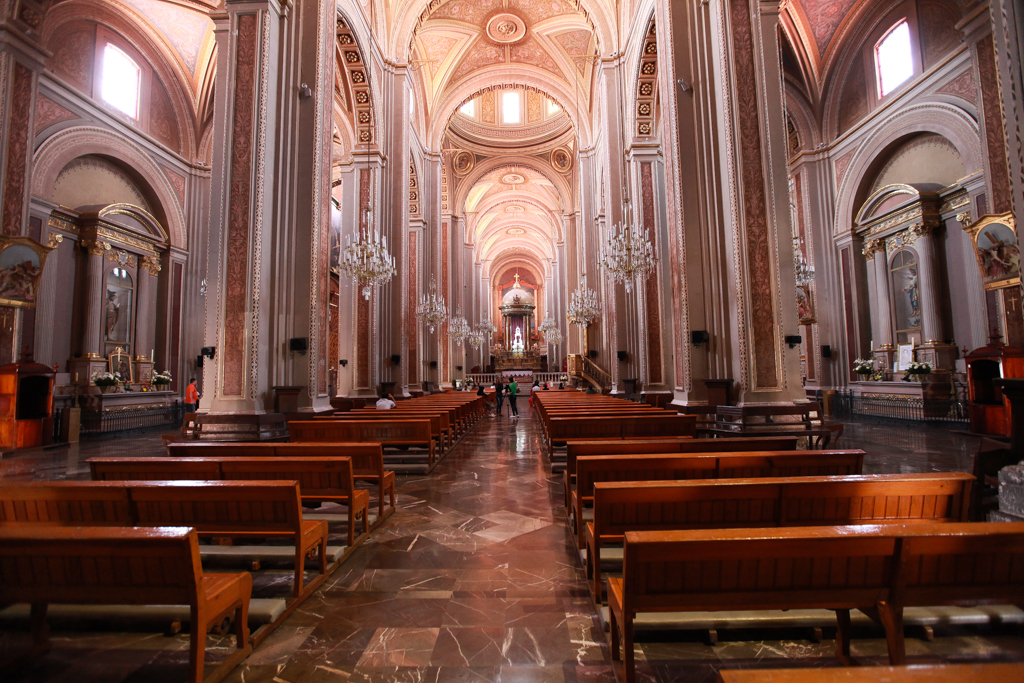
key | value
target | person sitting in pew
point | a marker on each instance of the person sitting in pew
(386, 402)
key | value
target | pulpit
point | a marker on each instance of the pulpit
(989, 411)
(26, 404)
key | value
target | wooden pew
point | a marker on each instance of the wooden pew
(394, 433)
(879, 569)
(988, 672)
(440, 428)
(122, 566)
(319, 478)
(367, 459)
(575, 448)
(619, 427)
(253, 509)
(769, 502)
(599, 468)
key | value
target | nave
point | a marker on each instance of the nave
(474, 578)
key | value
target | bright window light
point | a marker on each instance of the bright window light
(510, 107)
(894, 58)
(553, 107)
(469, 109)
(120, 83)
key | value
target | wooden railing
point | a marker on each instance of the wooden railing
(583, 368)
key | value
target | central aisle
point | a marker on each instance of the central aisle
(472, 579)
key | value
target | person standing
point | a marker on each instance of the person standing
(513, 391)
(535, 387)
(191, 396)
(499, 396)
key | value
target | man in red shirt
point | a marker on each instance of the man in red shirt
(191, 396)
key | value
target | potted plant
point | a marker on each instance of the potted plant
(106, 381)
(864, 366)
(915, 371)
(161, 380)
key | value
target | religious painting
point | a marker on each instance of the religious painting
(464, 162)
(804, 308)
(561, 160)
(117, 307)
(997, 249)
(21, 267)
(120, 363)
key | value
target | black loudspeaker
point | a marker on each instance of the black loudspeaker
(300, 344)
(592, 354)
(395, 359)
(698, 337)
(433, 365)
(623, 355)
(343, 362)
(793, 340)
(826, 351)
(208, 351)
(199, 361)
(458, 367)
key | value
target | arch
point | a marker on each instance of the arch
(61, 148)
(494, 163)
(149, 42)
(950, 122)
(351, 61)
(641, 118)
(497, 77)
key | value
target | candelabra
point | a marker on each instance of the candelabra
(804, 271)
(366, 260)
(432, 309)
(628, 254)
(583, 306)
(458, 328)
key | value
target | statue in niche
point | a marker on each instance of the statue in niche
(113, 312)
(517, 341)
(913, 292)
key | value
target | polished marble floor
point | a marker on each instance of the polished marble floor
(474, 578)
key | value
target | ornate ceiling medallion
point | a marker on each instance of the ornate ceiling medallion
(464, 162)
(505, 28)
(515, 208)
(561, 159)
(516, 231)
(513, 179)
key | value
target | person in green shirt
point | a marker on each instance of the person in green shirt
(513, 391)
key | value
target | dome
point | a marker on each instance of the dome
(525, 298)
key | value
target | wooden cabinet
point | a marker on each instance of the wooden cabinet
(989, 411)
(26, 404)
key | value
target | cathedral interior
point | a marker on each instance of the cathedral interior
(305, 205)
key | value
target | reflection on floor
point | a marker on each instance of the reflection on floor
(474, 579)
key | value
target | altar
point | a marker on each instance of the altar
(519, 348)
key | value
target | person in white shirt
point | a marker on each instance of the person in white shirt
(386, 402)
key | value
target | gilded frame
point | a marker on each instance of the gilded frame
(999, 255)
(19, 286)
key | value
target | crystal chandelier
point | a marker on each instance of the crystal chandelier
(367, 260)
(432, 309)
(804, 271)
(487, 327)
(477, 338)
(583, 307)
(554, 336)
(547, 325)
(628, 254)
(458, 328)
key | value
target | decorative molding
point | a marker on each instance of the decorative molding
(121, 257)
(151, 264)
(54, 239)
(17, 136)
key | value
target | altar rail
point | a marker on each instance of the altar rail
(910, 408)
(488, 378)
(130, 418)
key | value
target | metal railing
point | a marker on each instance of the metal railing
(909, 408)
(108, 421)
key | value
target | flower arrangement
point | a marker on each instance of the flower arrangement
(864, 366)
(106, 380)
(916, 369)
(162, 378)
(878, 376)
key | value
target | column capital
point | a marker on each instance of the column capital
(872, 247)
(151, 264)
(95, 247)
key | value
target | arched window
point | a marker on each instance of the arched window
(906, 297)
(121, 81)
(511, 109)
(894, 58)
(468, 109)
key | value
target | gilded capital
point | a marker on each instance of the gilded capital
(152, 264)
(95, 247)
(872, 247)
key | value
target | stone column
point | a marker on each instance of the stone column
(882, 318)
(93, 312)
(928, 284)
(270, 220)
(145, 319)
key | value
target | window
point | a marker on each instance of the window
(894, 58)
(121, 80)
(553, 107)
(468, 109)
(510, 110)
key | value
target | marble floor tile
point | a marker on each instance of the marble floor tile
(474, 579)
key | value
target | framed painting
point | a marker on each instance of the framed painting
(121, 363)
(998, 250)
(905, 356)
(21, 267)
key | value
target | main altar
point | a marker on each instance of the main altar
(518, 350)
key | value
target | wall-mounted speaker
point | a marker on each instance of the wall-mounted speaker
(208, 351)
(698, 337)
(622, 355)
(592, 354)
(794, 340)
(433, 365)
(458, 367)
(300, 344)
(396, 359)
(343, 362)
(826, 351)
